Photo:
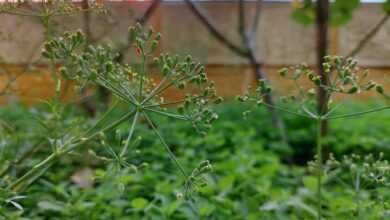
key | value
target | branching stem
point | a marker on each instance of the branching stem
(170, 153)
(359, 113)
(34, 171)
(131, 131)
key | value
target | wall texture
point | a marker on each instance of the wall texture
(281, 42)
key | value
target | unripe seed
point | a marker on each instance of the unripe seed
(379, 89)
(353, 90)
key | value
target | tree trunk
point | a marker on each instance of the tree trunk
(322, 11)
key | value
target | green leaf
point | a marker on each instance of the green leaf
(227, 182)
(310, 182)
(52, 206)
(206, 208)
(172, 207)
(386, 6)
(304, 16)
(139, 203)
(341, 11)
(305, 13)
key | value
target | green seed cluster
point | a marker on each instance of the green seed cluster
(342, 76)
(52, 8)
(196, 179)
(369, 171)
(97, 65)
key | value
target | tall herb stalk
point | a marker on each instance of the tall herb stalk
(135, 87)
(343, 78)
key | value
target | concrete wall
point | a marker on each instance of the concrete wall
(281, 41)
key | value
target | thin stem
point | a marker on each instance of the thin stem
(309, 112)
(55, 155)
(28, 153)
(333, 109)
(131, 131)
(172, 103)
(359, 113)
(105, 83)
(126, 88)
(170, 153)
(109, 127)
(171, 115)
(46, 20)
(14, 186)
(142, 75)
(165, 103)
(142, 20)
(286, 110)
(319, 168)
(102, 118)
(158, 87)
(159, 91)
(357, 193)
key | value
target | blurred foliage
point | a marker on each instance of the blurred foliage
(341, 11)
(252, 178)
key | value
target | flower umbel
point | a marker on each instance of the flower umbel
(135, 86)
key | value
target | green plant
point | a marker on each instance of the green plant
(357, 175)
(343, 77)
(132, 86)
(249, 178)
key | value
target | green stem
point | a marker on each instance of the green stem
(131, 131)
(102, 118)
(357, 193)
(142, 75)
(319, 168)
(46, 20)
(359, 113)
(170, 153)
(114, 89)
(106, 129)
(171, 115)
(158, 87)
(33, 171)
(162, 89)
(55, 155)
(165, 104)
(172, 103)
(28, 153)
(286, 110)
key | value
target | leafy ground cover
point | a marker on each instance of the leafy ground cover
(254, 176)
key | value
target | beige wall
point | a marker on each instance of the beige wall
(281, 41)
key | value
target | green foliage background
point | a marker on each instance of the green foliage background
(254, 176)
